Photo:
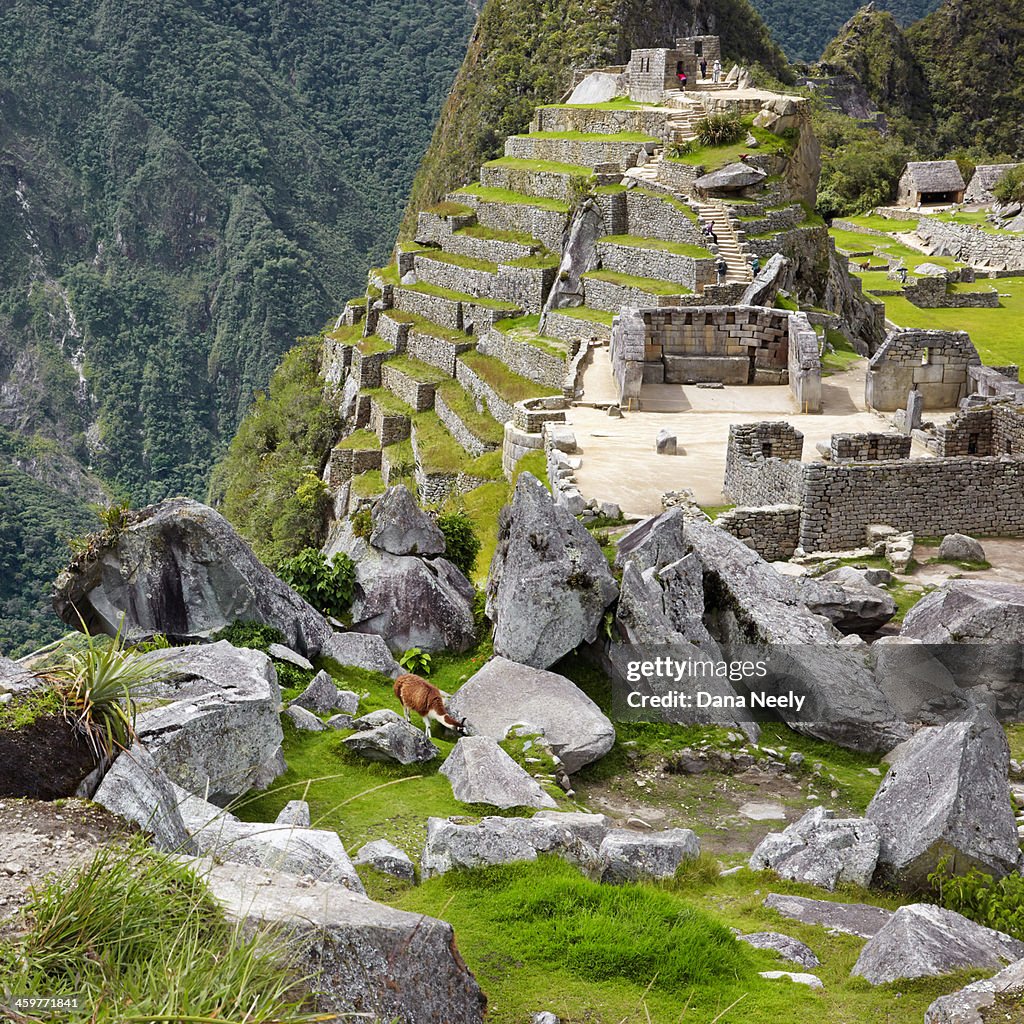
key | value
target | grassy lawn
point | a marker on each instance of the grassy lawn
(388, 402)
(507, 384)
(418, 370)
(651, 285)
(366, 485)
(481, 425)
(483, 505)
(439, 452)
(525, 330)
(713, 157)
(977, 219)
(889, 224)
(360, 440)
(373, 345)
(596, 316)
(851, 241)
(638, 242)
(449, 208)
(457, 260)
(347, 334)
(424, 288)
(842, 356)
(505, 195)
(550, 166)
(998, 334)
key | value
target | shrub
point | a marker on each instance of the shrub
(138, 937)
(678, 149)
(462, 544)
(327, 586)
(416, 660)
(976, 895)
(362, 522)
(1010, 187)
(247, 633)
(719, 129)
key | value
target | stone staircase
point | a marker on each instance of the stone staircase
(731, 247)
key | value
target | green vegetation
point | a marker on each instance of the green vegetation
(481, 425)
(522, 55)
(526, 330)
(651, 285)
(572, 136)
(549, 166)
(268, 484)
(247, 633)
(994, 904)
(446, 293)
(425, 373)
(679, 248)
(439, 452)
(839, 354)
(466, 262)
(596, 316)
(1010, 187)
(360, 440)
(483, 505)
(507, 384)
(27, 707)
(138, 937)
(503, 195)
(719, 129)
(462, 545)
(328, 586)
(713, 155)
(368, 484)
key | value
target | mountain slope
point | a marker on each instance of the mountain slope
(185, 186)
(523, 54)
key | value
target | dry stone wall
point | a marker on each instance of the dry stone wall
(869, 447)
(418, 395)
(934, 363)
(690, 271)
(762, 464)
(527, 360)
(972, 244)
(483, 393)
(650, 216)
(597, 122)
(803, 361)
(772, 531)
(585, 152)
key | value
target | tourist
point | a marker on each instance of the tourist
(708, 228)
(716, 71)
(755, 264)
(721, 268)
(703, 67)
(681, 75)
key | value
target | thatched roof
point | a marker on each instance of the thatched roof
(984, 180)
(934, 176)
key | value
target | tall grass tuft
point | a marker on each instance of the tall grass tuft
(137, 937)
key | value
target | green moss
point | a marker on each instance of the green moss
(25, 709)
(609, 190)
(639, 242)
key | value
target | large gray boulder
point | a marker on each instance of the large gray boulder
(947, 796)
(392, 741)
(655, 542)
(360, 957)
(15, 679)
(180, 569)
(211, 721)
(966, 1006)
(503, 694)
(320, 696)
(916, 682)
(501, 841)
(482, 773)
(848, 601)
(756, 613)
(958, 547)
(859, 919)
(361, 650)
(731, 178)
(411, 601)
(136, 789)
(923, 941)
(549, 581)
(821, 850)
(763, 289)
(632, 856)
(401, 527)
(387, 858)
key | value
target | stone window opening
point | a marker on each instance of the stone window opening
(926, 356)
(972, 444)
(766, 449)
(1008, 446)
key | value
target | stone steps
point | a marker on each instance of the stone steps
(731, 249)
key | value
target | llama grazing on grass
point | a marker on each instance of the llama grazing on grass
(416, 694)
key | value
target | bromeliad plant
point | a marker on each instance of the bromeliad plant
(99, 684)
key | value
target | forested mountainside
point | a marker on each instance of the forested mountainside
(803, 32)
(523, 54)
(952, 81)
(186, 186)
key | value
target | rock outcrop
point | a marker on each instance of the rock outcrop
(549, 581)
(387, 858)
(211, 723)
(965, 1006)
(860, 919)
(921, 941)
(785, 945)
(393, 741)
(361, 957)
(180, 569)
(503, 694)
(482, 773)
(947, 796)
(401, 527)
(821, 850)
(632, 856)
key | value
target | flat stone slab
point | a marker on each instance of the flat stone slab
(785, 945)
(763, 811)
(810, 980)
(852, 918)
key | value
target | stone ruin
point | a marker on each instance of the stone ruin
(934, 363)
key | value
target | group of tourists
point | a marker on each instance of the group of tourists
(716, 72)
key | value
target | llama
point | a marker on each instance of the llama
(416, 694)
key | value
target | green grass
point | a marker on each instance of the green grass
(842, 356)
(425, 288)
(500, 235)
(136, 936)
(439, 452)
(978, 219)
(535, 463)
(713, 157)
(651, 285)
(425, 373)
(389, 402)
(638, 242)
(998, 333)
(712, 511)
(609, 190)
(389, 274)
(373, 345)
(891, 225)
(449, 208)
(347, 334)
(483, 505)
(504, 195)
(368, 484)
(538, 261)
(549, 166)
(592, 136)
(360, 439)
(526, 330)
(597, 316)
(507, 384)
(466, 262)
(481, 425)
(25, 709)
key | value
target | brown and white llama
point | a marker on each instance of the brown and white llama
(416, 694)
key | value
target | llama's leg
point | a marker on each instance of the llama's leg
(405, 711)
(426, 727)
